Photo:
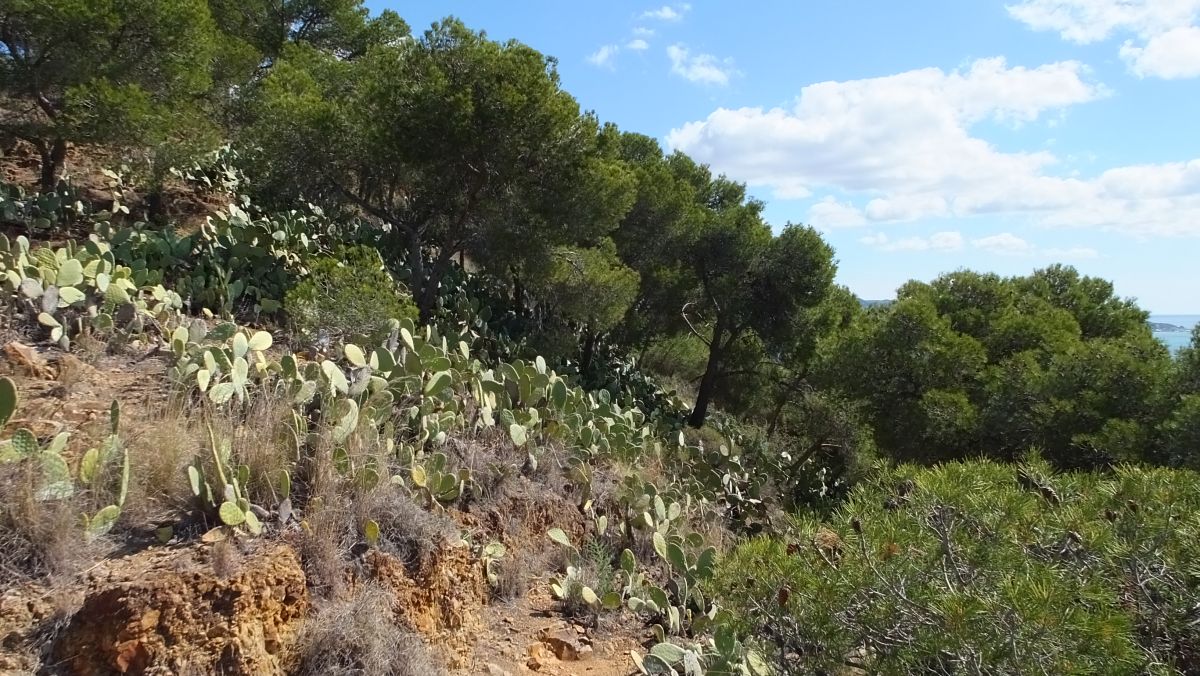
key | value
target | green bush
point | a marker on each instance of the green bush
(346, 296)
(978, 567)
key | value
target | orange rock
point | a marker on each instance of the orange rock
(28, 360)
(165, 611)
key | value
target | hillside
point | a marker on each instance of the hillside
(346, 350)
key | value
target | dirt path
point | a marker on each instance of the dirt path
(529, 636)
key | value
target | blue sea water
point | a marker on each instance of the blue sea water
(1176, 340)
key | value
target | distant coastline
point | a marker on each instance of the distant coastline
(1168, 328)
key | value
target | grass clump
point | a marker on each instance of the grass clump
(359, 635)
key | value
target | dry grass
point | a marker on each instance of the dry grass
(513, 575)
(162, 443)
(165, 440)
(226, 559)
(38, 538)
(406, 529)
(359, 636)
(264, 441)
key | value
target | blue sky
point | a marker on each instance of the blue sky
(920, 137)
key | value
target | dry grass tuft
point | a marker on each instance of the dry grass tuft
(406, 529)
(226, 559)
(360, 636)
(38, 538)
(264, 441)
(513, 574)
(161, 443)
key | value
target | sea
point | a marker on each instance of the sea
(1176, 340)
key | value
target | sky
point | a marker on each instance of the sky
(919, 137)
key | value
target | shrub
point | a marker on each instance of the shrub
(346, 296)
(982, 568)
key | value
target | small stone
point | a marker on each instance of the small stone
(496, 670)
(564, 644)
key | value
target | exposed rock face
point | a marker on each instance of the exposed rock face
(440, 600)
(168, 612)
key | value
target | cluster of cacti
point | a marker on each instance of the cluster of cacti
(436, 483)
(570, 587)
(491, 555)
(719, 653)
(40, 211)
(231, 505)
(78, 288)
(93, 469)
(221, 362)
(53, 480)
(234, 260)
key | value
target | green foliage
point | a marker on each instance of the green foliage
(477, 136)
(972, 364)
(236, 263)
(587, 288)
(346, 296)
(109, 71)
(981, 565)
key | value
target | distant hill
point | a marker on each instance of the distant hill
(873, 303)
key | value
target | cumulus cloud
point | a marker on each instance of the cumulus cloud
(901, 148)
(643, 31)
(1166, 42)
(637, 45)
(668, 12)
(1171, 56)
(938, 241)
(700, 68)
(1002, 244)
(604, 57)
(1008, 244)
(829, 213)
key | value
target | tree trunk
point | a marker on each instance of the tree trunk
(589, 351)
(433, 281)
(416, 265)
(518, 293)
(156, 208)
(781, 401)
(53, 158)
(708, 383)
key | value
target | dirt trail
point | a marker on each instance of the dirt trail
(528, 635)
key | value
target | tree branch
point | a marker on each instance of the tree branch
(683, 312)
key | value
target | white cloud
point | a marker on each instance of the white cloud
(1171, 56)
(668, 12)
(1168, 39)
(906, 207)
(643, 31)
(1003, 244)
(637, 45)
(901, 147)
(1008, 244)
(700, 68)
(939, 241)
(604, 56)
(830, 213)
